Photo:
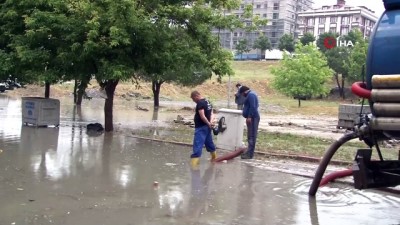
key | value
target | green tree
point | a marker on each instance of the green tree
(338, 58)
(326, 39)
(262, 43)
(304, 74)
(307, 39)
(286, 42)
(185, 52)
(60, 40)
(354, 36)
(33, 40)
(357, 59)
(242, 47)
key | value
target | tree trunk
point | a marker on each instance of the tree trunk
(156, 87)
(83, 83)
(47, 89)
(343, 94)
(338, 84)
(79, 99)
(75, 90)
(110, 86)
(299, 102)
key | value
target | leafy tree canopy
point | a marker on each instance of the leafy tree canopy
(357, 59)
(262, 43)
(324, 39)
(242, 47)
(304, 74)
(307, 38)
(286, 42)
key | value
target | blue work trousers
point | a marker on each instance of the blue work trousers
(202, 136)
(252, 130)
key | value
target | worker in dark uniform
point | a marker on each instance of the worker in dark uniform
(203, 124)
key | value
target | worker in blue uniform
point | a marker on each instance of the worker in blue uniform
(250, 112)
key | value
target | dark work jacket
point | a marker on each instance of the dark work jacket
(250, 108)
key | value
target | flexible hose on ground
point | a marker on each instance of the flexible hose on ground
(230, 155)
(335, 175)
(326, 159)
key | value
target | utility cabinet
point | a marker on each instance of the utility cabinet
(39, 111)
(232, 137)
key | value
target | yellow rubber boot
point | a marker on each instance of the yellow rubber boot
(194, 163)
(213, 155)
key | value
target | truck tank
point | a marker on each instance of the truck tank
(382, 90)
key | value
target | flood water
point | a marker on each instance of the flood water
(64, 176)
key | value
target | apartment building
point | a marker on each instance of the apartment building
(281, 16)
(339, 18)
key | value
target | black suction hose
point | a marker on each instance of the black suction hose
(326, 159)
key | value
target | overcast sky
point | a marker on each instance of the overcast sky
(374, 5)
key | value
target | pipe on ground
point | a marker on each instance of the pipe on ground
(326, 159)
(230, 155)
(335, 175)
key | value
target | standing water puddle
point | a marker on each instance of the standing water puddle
(63, 176)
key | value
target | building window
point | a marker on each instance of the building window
(265, 15)
(321, 30)
(265, 6)
(333, 19)
(258, 6)
(310, 22)
(310, 30)
(332, 29)
(321, 20)
(276, 6)
(325, 7)
(241, 6)
(362, 20)
(273, 34)
(274, 23)
(336, 7)
(344, 31)
(275, 16)
(235, 34)
(345, 20)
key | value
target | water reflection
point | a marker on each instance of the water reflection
(200, 195)
(155, 121)
(48, 164)
(313, 210)
(73, 178)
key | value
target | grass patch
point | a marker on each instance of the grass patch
(245, 70)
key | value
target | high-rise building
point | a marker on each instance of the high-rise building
(339, 18)
(281, 16)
